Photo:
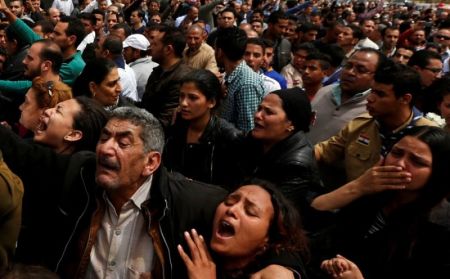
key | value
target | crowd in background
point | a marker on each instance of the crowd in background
(224, 139)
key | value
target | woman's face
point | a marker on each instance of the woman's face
(444, 107)
(241, 224)
(29, 118)
(108, 91)
(193, 102)
(414, 156)
(57, 123)
(271, 123)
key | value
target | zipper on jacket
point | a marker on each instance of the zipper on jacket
(165, 241)
(77, 222)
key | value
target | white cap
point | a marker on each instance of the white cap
(137, 41)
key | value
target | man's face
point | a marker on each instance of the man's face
(312, 72)
(254, 56)
(345, 38)
(194, 39)
(309, 36)
(128, 54)
(316, 20)
(134, 18)
(3, 38)
(154, 7)
(121, 160)
(193, 13)
(59, 35)
(32, 62)
(99, 22)
(118, 33)
(279, 29)
(36, 4)
(268, 57)
(390, 38)
(418, 37)
(16, 8)
(258, 27)
(227, 20)
(382, 102)
(257, 16)
(431, 72)
(55, 15)
(368, 27)
(402, 56)
(157, 48)
(357, 74)
(299, 58)
(442, 37)
(88, 27)
(103, 5)
(111, 19)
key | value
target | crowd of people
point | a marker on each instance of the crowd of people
(224, 139)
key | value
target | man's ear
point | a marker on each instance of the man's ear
(406, 98)
(153, 160)
(73, 136)
(72, 39)
(46, 65)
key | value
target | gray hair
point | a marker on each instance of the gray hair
(152, 132)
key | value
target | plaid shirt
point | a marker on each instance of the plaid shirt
(245, 92)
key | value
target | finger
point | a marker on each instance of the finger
(192, 247)
(187, 261)
(205, 246)
(199, 244)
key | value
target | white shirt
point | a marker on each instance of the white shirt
(64, 6)
(123, 248)
(270, 84)
(128, 82)
(89, 39)
(142, 68)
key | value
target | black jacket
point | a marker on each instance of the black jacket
(212, 160)
(290, 165)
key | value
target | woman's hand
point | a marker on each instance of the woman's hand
(200, 265)
(341, 268)
(381, 178)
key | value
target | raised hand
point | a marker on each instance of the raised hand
(200, 265)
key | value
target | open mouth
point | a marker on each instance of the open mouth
(225, 229)
(41, 127)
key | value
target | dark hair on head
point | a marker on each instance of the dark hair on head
(114, 45)
(433, 45)
(307, 26)
(123, 26)
(324, 60)
(95, 70)
(3, 25)
(268, 43)
(174, 37)
(382, 59)
(232, 41)
(436, 188)
(12, 36)
(256, 41)
(46, 26)
(404, 79)
(3, 51)
(285, 229)
(206, 82)
(75, 28)
(384, 30)
(335, 52)
(140, 13)
(308, 47)
(51, 52)
(229, 10)
(275, 16)
(88, 16)
(257, 11)
(357, 32)
(422, 58)
(90, 121)
(99, 12)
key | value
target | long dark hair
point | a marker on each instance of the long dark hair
(96, 71)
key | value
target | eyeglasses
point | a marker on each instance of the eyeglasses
(442, 37)
(359, 69)
(50, 85)
(434, 70)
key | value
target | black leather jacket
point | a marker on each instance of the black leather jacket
(212, 160)
(291, 165)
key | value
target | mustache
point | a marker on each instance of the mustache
(106, 162)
